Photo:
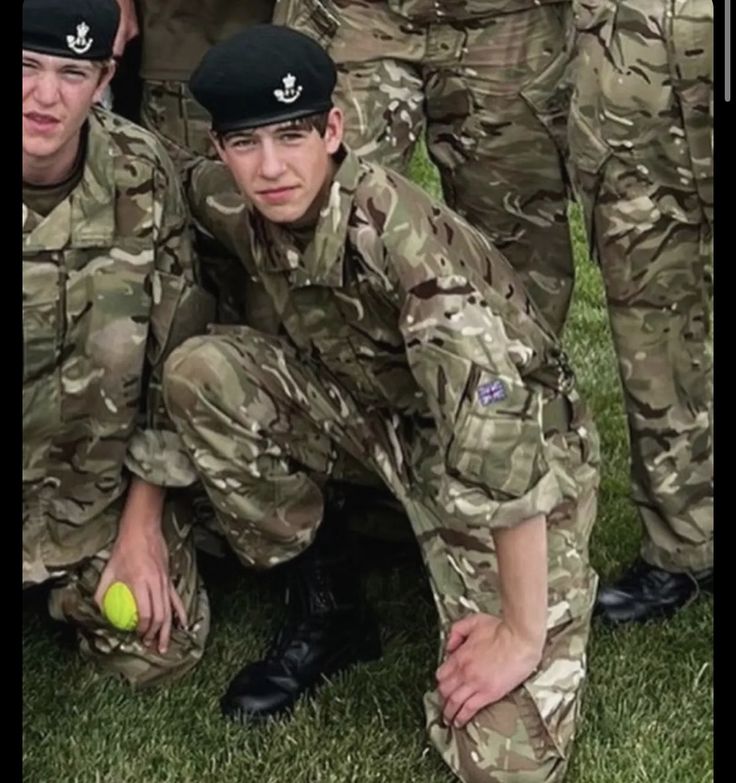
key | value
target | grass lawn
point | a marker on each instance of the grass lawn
(647, 712)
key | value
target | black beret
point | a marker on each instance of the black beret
(261, 75)
(77, 29)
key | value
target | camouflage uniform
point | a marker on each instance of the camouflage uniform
(108, 290)
(175, 35)
(641, 147)
(482, 78)
(442, 378)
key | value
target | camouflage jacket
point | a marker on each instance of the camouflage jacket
(418, 315)
(326, 14)
(108, 290)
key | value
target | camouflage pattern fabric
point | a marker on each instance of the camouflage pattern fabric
(108, 290)
(641, 152)
(176, 34)
(413, 348)
(485, 88)
(72, 600)
(169, 110)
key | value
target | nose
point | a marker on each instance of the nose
(46, 89)
(272, 167)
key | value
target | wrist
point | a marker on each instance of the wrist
(531, 635)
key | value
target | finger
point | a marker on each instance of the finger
(105, 582)
(447, 669)
(449, 685)
(178, 605)
(452, 665)
(160, 606)
(466, 625)
(455, 702)
(470, 709)
(454, 640)
(165, 632)
(143, 602)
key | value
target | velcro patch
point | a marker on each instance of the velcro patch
(491, 392)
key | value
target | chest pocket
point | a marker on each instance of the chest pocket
(107, 312)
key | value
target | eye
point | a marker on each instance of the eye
(242, 143)
(291, 137)
(74, 75)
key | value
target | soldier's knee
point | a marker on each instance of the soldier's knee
(479, 761)
(506, 742)
(194, 369)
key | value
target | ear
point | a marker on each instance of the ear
(105, 78)
(334, 130)
(217, 144)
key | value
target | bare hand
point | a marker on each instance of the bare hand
(485, 661)
(140, 560)
(127, 29)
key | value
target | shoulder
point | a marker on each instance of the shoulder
(131, 145)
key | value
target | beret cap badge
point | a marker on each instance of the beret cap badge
(291, 90)
(80, 44)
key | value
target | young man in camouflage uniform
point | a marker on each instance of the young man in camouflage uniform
(410, 345)
(108, 291)
(641, 133)
(482, 79)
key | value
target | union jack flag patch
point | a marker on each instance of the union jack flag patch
(494, 391)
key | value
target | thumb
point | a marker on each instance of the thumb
(106, 579)
(460, 631)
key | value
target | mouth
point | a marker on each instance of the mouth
(277, 195)
(42, 122)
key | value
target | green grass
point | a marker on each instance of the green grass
(647, 712)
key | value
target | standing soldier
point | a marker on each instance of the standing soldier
(175, 35)
(483, 80)
(641, 149)
(108, 291)
(409, 343)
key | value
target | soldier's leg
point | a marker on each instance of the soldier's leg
(640, 147)
(527, 736)
(261, 426)
(496, 107)
(123, 653)
(378, 85)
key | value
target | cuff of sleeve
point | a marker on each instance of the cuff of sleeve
(159, 457)
(477, 507)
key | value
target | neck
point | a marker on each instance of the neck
(54, 169)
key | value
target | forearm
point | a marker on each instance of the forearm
(143, 507)
(522, 568)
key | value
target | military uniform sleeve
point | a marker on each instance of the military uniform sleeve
(180, 309)
(467, 340)
(488, 418)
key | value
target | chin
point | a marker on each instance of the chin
(281, 214)
(40, 148)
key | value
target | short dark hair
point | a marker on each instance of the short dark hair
(316, 122)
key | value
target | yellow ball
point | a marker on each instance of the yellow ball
(119, 607)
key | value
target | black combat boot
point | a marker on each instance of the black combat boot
(328, 628)
(645, 592)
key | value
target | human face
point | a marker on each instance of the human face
(283, 169)
(57, 95)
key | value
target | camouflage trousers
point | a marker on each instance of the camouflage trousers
(642, 161)
(169, 110)
(71, 600)
(265, 429)
(488, 96)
